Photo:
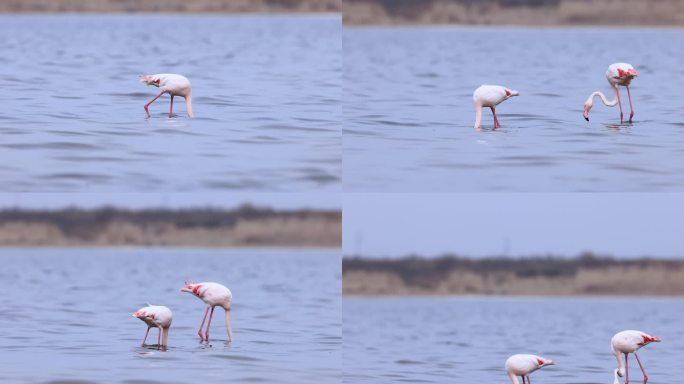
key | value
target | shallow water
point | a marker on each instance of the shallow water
(461, 340)
(409, 115)
(68, 312)
(266, 96)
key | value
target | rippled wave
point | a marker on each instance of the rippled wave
(409, 114)
(68, 312)
(72, 103)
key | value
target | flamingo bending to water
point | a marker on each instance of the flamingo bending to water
(490, 96)
(213, 294)
(617, 74)
(174, 85)
(627, 342)
(156, 316)
(524, 365)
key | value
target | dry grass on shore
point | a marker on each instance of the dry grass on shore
(171, 6)
(246, 226)
(514, 12)
(449, 275)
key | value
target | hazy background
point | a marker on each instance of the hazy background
(623, 225)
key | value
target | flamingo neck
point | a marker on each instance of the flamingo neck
(228, 327)
(620, 370)
(478, 117)
(604, 99)
(188, 104)
(165, 336)
(514, 378)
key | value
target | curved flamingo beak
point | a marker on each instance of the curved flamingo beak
(586, 114)
(655, 339)
(550, 362)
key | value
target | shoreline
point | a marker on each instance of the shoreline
(584, 276)
(243, 227)
(520, 12)
(171, 6)
(188, 14)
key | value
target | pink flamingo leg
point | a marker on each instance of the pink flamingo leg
(145, 338)
(617, 91)
(626, 369)
(642, 368)
(631, 109)
(529, 380)
(496, 125)
(202, 325)
(171, 109)
(152, 101)
(206, 336)
(523, 379)
(159, 338)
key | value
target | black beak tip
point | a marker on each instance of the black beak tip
(586, 118)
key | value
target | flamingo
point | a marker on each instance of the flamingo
(174, 85)
(213, 294)
(617, 74)
(490, 96)
(156, 316)
(627, 342)
(524, 365)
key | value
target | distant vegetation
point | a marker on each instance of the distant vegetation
(243, 226)
(172, 6)
(515, 12)
(450, 274)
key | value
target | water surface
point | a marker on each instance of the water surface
(408, 110)
(68, 312)
(467, 340)
(266, 96)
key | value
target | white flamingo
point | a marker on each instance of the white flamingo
(213, 294)
(524, 365)
(174, 85)
(490, 96)
(618, 74)
(156, 316)
(627, 342)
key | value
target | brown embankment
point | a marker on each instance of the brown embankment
(553, 276)
(514, 12)
(246, 226)
(172, 6)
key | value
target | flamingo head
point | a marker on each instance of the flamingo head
(149, 80)
(191, 287)
(587, 108)
(619, 372)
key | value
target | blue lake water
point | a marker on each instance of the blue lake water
(266, 96)
(408, 110)
(467, 340)
(66, 316)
